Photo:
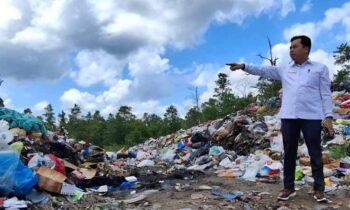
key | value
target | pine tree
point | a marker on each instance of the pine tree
(62, 119)
(172, 121)
(49, 118)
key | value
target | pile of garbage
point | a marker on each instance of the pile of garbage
(243, 145)
(341, 101)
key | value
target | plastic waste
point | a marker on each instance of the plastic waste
(167, 154)
(298, 174)
(146, 163)
(277, 143)
(17, 147)
(226, 163)
(216, 150)
(347, 130)
(6, 136)
(141, 155)
(39, 160)
(38, 197)
(4, 125)
(15, 177)
(181, 144)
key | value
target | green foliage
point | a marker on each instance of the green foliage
(210, 110)
(267, 89)
(49, 118)
(62, 119)
(153, 124)
(124, 112)
(193, 117)
(342, 57)
(172, 121)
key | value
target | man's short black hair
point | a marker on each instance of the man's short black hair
(305, 41)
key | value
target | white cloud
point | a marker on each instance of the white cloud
(36, 39)
(108, 102)
(205, 73)
(309, 29)
(150, 107)
(287, 7)
(83, 99)
(335, 15)
(96, 67)
(8, 102)
(51, 30)
(147, 62)
(116, 93)
(332, 17)
(243, 9)
(280, 51)
(306, 6)
(8, 13)
(39, 108)
(327, 59)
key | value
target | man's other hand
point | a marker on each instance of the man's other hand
(328, 124)
(235, 66)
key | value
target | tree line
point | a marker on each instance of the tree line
(124, 128)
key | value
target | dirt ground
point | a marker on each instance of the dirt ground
(186, 194)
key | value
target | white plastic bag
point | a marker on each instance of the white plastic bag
(146, 163)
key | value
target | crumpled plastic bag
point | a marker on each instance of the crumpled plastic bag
(4, 125)
(39, 160)
(15, 177)
(216, 150)
(146, 163)
(6, 136)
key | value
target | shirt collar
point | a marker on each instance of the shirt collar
(308, 61)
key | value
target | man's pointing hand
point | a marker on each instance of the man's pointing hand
(236, 66)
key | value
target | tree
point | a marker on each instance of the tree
(172, 121)
(75, 124)
(268, 88)
(222, 87)
(342, 57)
(96, 129)
(88, 116)
(154, 124)
(138, 133)
(49, 118)
(210, 110)
(224, 95)
(74, 113)
(195, 96)
(62, 119)
(27, 111)
(193, 117)
(97, 116)
(125, 113)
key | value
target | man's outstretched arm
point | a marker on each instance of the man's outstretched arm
(270, 72)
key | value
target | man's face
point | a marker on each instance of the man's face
(297, 51)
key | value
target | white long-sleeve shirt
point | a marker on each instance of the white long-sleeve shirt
(306, 89)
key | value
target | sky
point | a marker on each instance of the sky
(150, 54)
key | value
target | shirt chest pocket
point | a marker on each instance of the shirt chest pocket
(312, 79)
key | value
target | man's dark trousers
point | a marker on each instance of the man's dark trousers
(312, 133)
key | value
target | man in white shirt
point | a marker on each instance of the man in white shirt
(307, 100)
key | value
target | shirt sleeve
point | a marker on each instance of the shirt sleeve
(271, 72)
(326, 94)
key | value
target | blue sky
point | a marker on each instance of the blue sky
(149, 54)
